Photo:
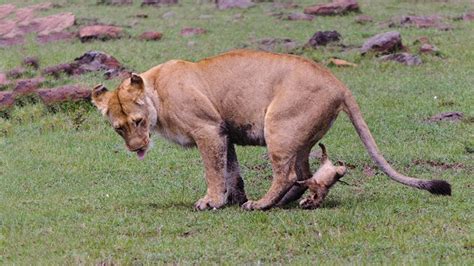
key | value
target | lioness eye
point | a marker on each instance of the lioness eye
(119, 130)
(138, 122)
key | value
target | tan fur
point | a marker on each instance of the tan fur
(320, 183)
(241, 97)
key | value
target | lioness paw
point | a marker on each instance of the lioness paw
(207, 203)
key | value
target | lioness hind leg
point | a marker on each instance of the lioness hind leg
(284, 176)
(303, 172)
(234, 182)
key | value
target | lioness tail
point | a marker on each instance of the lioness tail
(351, 107)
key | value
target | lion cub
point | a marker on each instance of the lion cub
(320, 183)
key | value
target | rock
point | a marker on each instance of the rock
(336, 7)
(277, 44)
(99, 32)
(386, 42)
(469, 16)
(6, 10)
(150, 36)
(4, 80)
(447, 116)
(28, 86)
(115, 2)
(169, 15)
(16, 73)
(404, 58)
(141, 16)
(6, 99)
(368, 171)
(188, 31)
(363, 19)
(300, 16)
(428, 48)
(158, 2)
(226, 4)
(340, 63)
(89, 62)
(424, 22)
(64, 93)
(49, 28)
(57, 70)
(322, 38)
(30, 61)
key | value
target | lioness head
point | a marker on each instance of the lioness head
(127, 112)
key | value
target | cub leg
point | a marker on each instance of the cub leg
(213, 149)
(234, 182)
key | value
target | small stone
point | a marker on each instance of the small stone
(100, 32)
(322, 38)
(159, 2)
(363, 19)
(340, 63)
(428, 48)
(169, 15)
(386, 42)
(3, 80)
(469, 16)
(300, 16)
(115, 2)
(404, 58)
(150, 36)
(336, 7)
(447, 116)
(6, 99)
(226, 4)
(16, 73)
(189, 31)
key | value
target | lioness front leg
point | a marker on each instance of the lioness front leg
(213, 149)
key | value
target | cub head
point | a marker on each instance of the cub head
(126, 110)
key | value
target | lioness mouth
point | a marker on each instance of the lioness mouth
(141, 153)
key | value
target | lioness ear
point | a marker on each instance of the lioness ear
(137, 88)
(100, 98)
(136, 80)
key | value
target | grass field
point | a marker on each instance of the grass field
(71, 194)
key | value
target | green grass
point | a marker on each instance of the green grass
(71, 194)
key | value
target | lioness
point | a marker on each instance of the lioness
(242, 97)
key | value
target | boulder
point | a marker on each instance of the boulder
(468, 16)
(99, 32)
(336, 7)
(226, 4)
(386, 42)
(404, 58)
(322, 38)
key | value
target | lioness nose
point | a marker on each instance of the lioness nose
(137, 143)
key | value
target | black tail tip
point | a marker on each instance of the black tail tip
(439, 187)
